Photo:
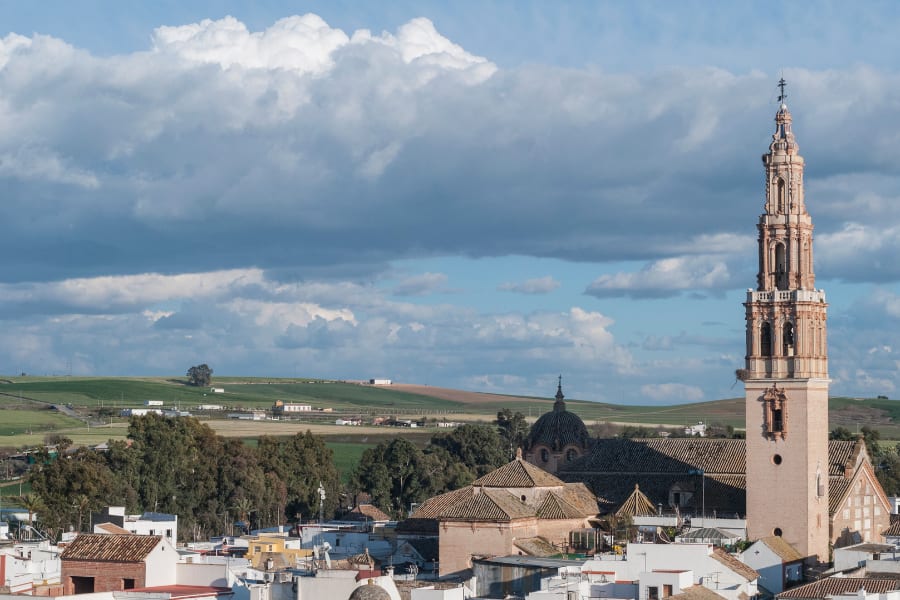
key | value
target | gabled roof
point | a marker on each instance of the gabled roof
(735, 565)
(782, 549)
(833, 586)
(518, 474)
(102, 547)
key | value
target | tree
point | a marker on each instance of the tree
(513, 429)
(200, 375)
(479, 446)
(393, 474)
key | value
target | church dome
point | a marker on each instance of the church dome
(558, 428)
(370, 591)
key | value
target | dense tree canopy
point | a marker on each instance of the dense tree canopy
(200, 375)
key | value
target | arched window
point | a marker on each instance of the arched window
(781, 274)
(781, 195)
(787, 339)
(545, 455)
(571, 454)
(765, 340)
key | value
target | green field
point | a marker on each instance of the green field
(25, 404)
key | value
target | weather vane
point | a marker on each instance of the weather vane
(782, 83)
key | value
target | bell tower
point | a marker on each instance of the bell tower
(786, 376)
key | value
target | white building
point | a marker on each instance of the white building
(148, 523)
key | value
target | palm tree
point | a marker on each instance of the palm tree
(33, 504)
(82, 505)
(243, 506)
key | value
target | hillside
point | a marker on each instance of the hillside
(92, 395)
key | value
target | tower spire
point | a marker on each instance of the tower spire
(782, 96)
(559, 404)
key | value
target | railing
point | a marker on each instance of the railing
(786, 296)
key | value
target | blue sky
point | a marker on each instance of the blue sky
(478, 195)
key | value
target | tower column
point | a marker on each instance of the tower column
(786, 384)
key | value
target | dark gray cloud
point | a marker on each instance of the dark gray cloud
(166, 161)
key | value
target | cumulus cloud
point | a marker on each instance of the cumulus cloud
(666, 277)
(539, 285)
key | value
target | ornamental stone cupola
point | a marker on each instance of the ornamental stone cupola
(786, 374)
(557, 437)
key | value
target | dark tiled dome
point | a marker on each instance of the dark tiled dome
(370, 591)
(558, 428)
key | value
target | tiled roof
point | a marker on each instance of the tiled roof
(434, 507)
(838, 488)
(557, 429)
(489, 505)
(175, 592)
(893, 530)
(780, 547)
(102, 547)
(839, 452)
(707, 533)
(615, 465)
(696, 592)
(365, 512)
(555, 507)
(518, 474)
(536, 546)
(664, 455)
(578, 495)
(734, 564)
(637, 504)
(111, 528)
(833, 586)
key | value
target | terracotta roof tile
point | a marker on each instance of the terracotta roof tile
(365, 512)
(780, 547)
(435, 507)
(832, 586)
(555, 507)
(696, 592)
(838, 488)
(536, 546)
(518, 474)
(489, 505)
(111, 528)
(893, 530)
(104, 547)
(734, 564)
(580, 496)
(637, 504)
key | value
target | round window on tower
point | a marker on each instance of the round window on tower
(777, 531)
(776, 459)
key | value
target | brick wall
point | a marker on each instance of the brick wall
(107, 576)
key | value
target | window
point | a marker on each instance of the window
(787, 339)
(781, 273)
(169, 533)
(777, 531)
(571, 454)
(128, 584)
(765, 340)
(775, 413)
(652, 593)
(667, 590)
(82, 585)
(545, 456)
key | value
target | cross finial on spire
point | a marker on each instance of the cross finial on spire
(781, 84)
